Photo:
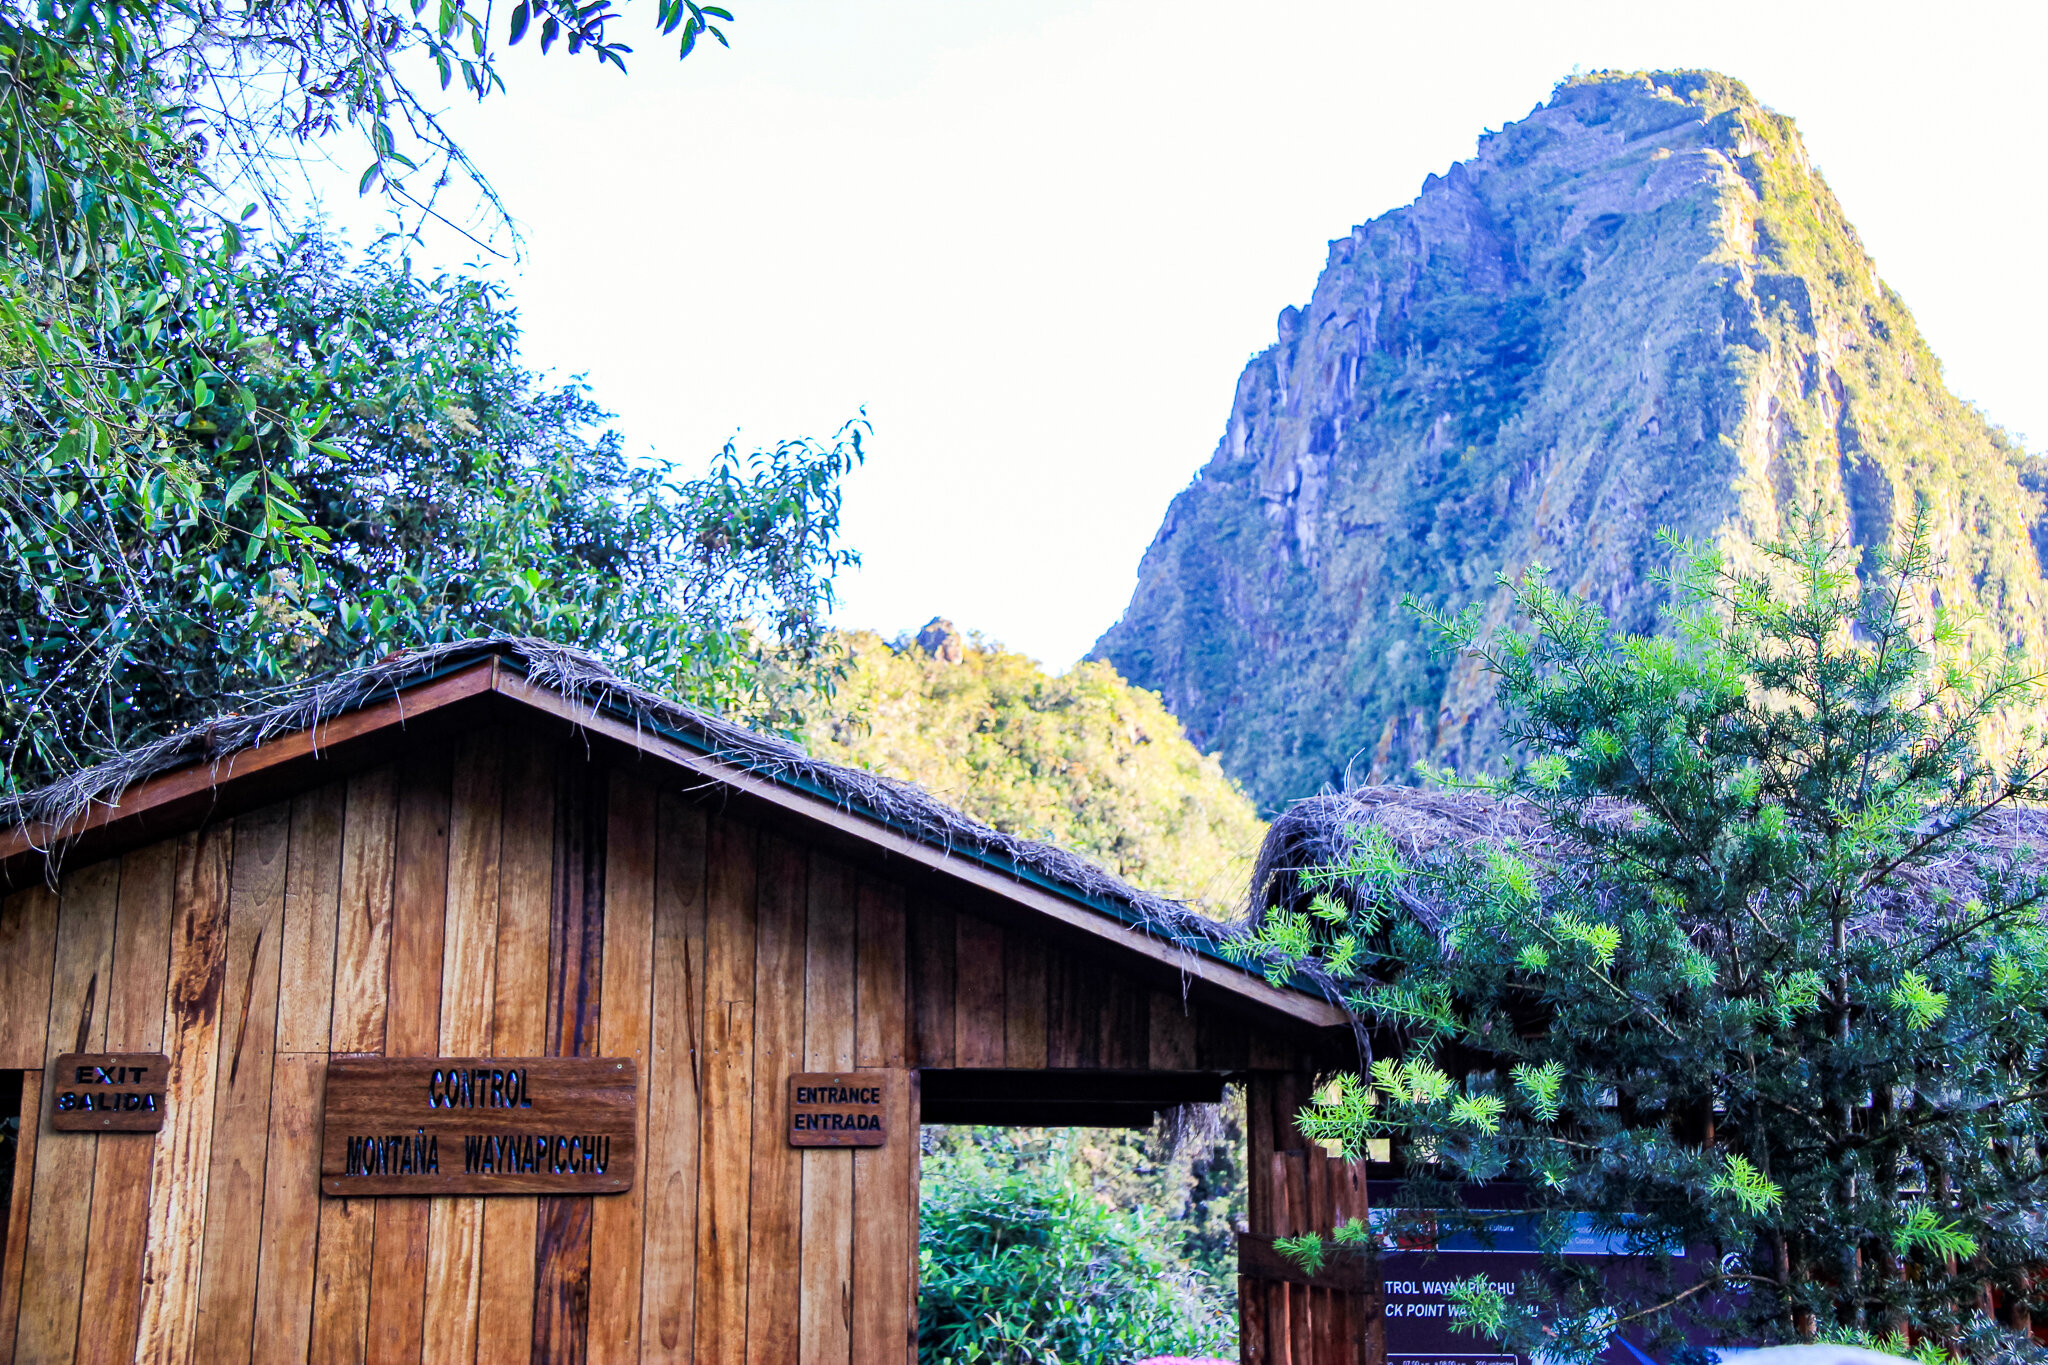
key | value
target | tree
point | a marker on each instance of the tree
(1786, 1001)
(222, 469)
(365, 467)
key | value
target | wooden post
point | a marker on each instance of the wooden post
(1287, 1317)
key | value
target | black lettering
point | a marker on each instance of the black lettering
(433, 1154)
(604, 1158)
(149, 1103)
(84, 1076)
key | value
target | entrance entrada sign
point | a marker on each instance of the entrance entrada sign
(478, 1125)
(108, 1092)
(838, 1109)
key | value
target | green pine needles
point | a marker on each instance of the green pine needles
(1785, 1004)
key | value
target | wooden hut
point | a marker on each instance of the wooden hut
(430, 871)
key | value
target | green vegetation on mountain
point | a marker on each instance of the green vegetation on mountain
(1638, 307)
(1080, 758)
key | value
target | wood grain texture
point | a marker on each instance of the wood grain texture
(312, 900)
(881, 1025)
(1126, 1023)
(576, 910)
(933, 939)
(135, 1022)
(674, 1087)
(1222, 1041)
(18, 1205)
(831, 962)
(412, 1028)
(1074, 989)
(341, 1281)
(184, 1149)
(290, 1237)
(1023, 999)
(142, 949)
(28, 943)
(468, 995)
(362, 972)
(362, 941)
(616, 1226)
(53, 1282)
(978, 1019)
(241, 1118)
(561, 1299)
(518, 1028)
(398, 1268)
(727, 1115)
(775, 1226)
(419, 920)
(884, 1326)
(1170, 1042)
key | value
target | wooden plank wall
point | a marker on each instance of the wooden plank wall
(509, 894)
(503, 895)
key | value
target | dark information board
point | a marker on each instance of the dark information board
(479, 1125)
(839, 1109)
(108, 1092)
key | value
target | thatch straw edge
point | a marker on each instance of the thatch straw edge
(583, 677)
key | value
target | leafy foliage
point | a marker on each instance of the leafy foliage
(222, 470)
(1081, 758)
(1077, 1245)
(332, 462)
(1787, 1007)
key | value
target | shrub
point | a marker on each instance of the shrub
(1023, 1262)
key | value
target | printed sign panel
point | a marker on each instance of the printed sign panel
(478, 1125)
(108, 1092)
(838, 1109)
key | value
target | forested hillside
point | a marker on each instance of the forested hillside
(1081, 758)
(1639, 307)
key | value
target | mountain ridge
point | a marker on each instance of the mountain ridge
(1640, 306)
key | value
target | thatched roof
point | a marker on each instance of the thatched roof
(1429, 825)
(583, 677)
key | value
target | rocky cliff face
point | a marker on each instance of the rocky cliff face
(1638, 307)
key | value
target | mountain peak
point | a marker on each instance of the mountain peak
(1638, 307)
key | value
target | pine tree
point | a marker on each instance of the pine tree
(1784, 1004)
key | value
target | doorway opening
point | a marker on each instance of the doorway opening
(1092, 1215)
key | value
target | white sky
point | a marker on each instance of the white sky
(1039, 240)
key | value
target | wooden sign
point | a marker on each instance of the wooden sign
(838, 1109)
(479, 1125)
(108, 1092)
